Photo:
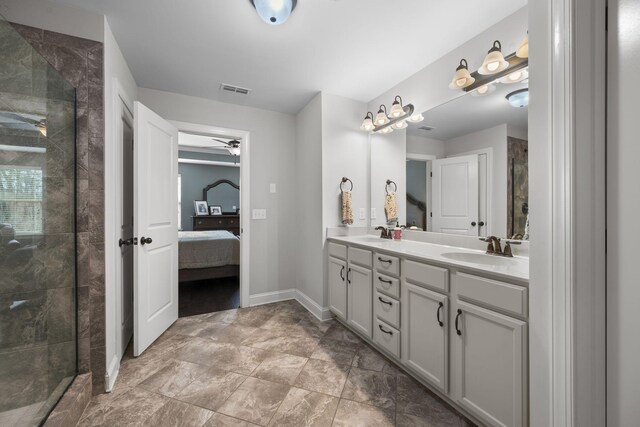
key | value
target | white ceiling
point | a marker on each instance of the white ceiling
(353, 48)
(467, 114)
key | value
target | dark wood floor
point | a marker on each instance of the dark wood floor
(208, 296)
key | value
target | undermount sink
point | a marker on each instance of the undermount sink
(478, 258)
(370, 239)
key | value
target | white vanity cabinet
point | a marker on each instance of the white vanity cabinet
(426, 334)
(490, 349)
(351, 287)
(460, 331)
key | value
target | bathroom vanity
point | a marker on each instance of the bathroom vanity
(454, 318)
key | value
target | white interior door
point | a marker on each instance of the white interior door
(155, 225)
(455, 195)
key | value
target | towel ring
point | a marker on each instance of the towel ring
(389, 182)
(345, 179)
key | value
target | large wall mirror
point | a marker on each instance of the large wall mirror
(467, 166)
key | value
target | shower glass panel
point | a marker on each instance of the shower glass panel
(38, 356)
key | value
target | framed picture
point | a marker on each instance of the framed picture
(215, 210)
(200, 206)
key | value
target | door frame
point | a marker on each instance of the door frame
(245, 194)
(122, 108)
(567, 124)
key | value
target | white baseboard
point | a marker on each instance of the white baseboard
(269, 297)
(322, 313)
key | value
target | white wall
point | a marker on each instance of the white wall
(424, 145)
(272, 161)
(496, 139)
(308, 194)
(623, 199)
(54, 17)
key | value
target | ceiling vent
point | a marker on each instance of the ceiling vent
(235, 89)
(426, 128)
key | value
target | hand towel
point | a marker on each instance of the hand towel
(390, 208)
(347, 212)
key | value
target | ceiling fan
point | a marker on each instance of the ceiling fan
(40, 125)
(233, 146)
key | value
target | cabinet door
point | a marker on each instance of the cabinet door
(490, 365)
(359, 299)
(338, 287)
(425, 328)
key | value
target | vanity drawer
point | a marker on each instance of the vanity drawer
(387, 285)
(360, 256)
(387, 309)
(387, 337)
(338, 251)
(427, 275)
(387, 264)
(492, 293)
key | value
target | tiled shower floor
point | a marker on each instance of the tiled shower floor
(269, 365)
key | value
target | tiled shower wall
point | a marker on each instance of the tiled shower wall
(80, 61)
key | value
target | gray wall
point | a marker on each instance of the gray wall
(196, 177)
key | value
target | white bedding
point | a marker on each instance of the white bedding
(203, 249)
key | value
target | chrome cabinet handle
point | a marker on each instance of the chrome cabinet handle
(440, 322)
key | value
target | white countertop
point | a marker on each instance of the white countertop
(508, 268)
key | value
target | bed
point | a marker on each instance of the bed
(207, 255)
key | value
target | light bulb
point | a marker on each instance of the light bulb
(387, 130)
(515, 76)
(416, 118)
(492, 66)
(400, 125)
(276, 4)
(461, 82)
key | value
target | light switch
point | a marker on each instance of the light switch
(373, 213)
(272, 188)
(259, 214)
(362, 214)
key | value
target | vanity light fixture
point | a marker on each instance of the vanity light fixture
(367, 123)
(384, 122)
(494, 62)
(400, 125)
(515, 77)
(484, 90)
(462, 78)
(274, 12)
(416, 118)
(396, 108)
(518, 98)
(382, 118)
(523, 49)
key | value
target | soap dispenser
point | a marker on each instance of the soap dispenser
(397, 232)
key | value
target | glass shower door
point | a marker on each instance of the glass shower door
(38, 357)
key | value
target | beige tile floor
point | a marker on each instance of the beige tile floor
(272, 365)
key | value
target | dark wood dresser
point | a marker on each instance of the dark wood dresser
(229, 222)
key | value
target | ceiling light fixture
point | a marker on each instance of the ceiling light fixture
(494, 62)
(274, 12)
(523, 49)
(397, 117)
(518, 98)
(462, 78)
(416, 118)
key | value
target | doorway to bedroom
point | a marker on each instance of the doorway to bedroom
(209, 226)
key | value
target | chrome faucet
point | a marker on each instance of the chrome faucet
(494, 248)
(384, 232)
